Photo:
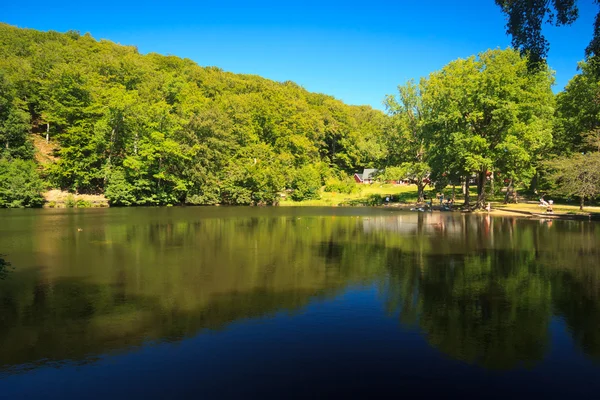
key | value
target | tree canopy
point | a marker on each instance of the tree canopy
(153, 129)
(526, 18)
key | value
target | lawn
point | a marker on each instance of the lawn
(376, 193)
(397, 193)
(557, 208)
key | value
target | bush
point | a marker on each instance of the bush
(206, 195)
(306, 184)
(83, 204)
(20, 184)
(346, 186)
(254, 177)
(119, 191)
(70, 201)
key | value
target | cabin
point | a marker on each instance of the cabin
(367, 176)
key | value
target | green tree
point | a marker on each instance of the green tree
(14, 122)
(20, 184)
(525, 20)
(406, 140)
(165, 130)
(254, 177)
(306, 184)
(488, 114)
(578, 112)
(576, 175)
(119, 191)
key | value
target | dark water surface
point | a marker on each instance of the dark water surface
(295, 303)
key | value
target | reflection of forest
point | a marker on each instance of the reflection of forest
(482, 289)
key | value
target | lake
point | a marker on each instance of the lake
(219, 302)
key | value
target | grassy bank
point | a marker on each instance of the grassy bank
(367, 196)
(407, 194)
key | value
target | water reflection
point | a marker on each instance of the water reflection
(480, 289)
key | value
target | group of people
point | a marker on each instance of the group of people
(445, 205)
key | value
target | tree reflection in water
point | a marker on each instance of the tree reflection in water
(481, 289)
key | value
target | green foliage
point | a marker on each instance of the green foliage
(406, 137)
(70, 201)
(155, 130)
(525, 20)
(347, 186)
(488, 114)
(578, 112)
(119, 191)
(255, 176)
(577, 175)
(14, 122)
(306, 184)
(20, 184)
(83, 204)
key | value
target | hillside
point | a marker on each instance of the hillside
(153, 129)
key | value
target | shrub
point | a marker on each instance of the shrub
(83, 204)
(206, 195)
(306, 184)
(20, 184)
(70, 201)
(119, 191)
(346, 186)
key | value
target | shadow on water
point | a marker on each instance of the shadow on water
(73, 322)
(5, 267)
(482, 290)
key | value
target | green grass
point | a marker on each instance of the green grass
(557, 208)
(376, 193)
(399, 193)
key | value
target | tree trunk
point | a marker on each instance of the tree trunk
(467, 202)
(420, 189)
(453, 192)
(47, 132)
(492, 184)
(109, 159)
(507, 192)
(481, 175)
(534, 183)
(581, 203)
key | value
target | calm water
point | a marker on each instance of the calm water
(283, 303)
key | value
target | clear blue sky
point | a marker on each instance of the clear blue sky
(355, 51)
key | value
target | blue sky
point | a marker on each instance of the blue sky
(355, 51)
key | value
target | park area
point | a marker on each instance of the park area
(406, 196)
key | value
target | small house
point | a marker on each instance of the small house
(367, 176)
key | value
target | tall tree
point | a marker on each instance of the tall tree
(488, 114)
(578, 112)
(525, 20)
(576, 175)
(406, 142)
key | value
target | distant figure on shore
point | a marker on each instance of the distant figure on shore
(488, 207)
(543, 203)
(549, 209)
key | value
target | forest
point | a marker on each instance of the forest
(162, 130)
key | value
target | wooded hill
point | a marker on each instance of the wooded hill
(158, 130)
(152, 129)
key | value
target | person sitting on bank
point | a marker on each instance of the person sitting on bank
(549, 209)
(543, 203)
